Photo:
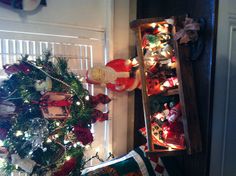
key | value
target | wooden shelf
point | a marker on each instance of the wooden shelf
(172, 92)
(165, 152)
(185, 90)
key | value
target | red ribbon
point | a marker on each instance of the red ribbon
(189, 25)
(58, 103)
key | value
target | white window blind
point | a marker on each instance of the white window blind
(83, 48)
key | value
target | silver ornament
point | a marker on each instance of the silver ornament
(38, 132)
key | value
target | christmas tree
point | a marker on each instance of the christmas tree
(45, 117)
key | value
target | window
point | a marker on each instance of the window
(82, 47)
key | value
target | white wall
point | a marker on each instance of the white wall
(122, 130)
(84, 13)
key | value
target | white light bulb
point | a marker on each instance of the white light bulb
(87, 147)
(27, 134)
(169, 64)
(162, 88)
(18, 133)
(78, 103)
(166, 25)
(153, 25)
(49, 140)
(87, 97)
(134, 61)
(165, 133)
(158, 116)
(66, 142)
(57, 123)
(68, 158)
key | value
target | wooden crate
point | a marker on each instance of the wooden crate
(185, 90)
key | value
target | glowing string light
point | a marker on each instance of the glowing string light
(19, 133)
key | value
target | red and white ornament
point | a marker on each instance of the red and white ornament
(174, 114)
(56, 105)
(171, 82)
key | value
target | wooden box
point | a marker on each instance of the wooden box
(155, 45)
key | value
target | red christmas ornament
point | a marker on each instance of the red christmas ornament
(173, 59)
(156, 31)
(83, 135)
(174, 114)
(66, 168)
(171, 82)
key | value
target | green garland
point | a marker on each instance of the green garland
(20, 90)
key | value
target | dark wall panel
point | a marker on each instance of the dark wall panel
(155, 8)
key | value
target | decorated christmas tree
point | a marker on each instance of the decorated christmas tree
(45, 118)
